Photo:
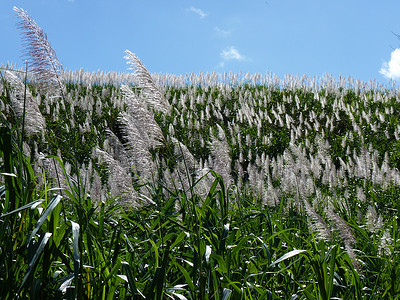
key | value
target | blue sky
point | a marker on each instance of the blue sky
(342, 37)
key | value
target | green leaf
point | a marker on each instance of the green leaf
(101, 221)
(330, 283)
(179, 296)
(287, 256)
(75, 240)
(226, 294)
(32, 263)
(56, 199)
(129, 274)
(207, 254)
(2, 190)
(9, 174)
(114, 280)
(178, 239)
(156, 255)
(75, 243)
(65, 282)
(221, 262)
(34, 203)
(186, 275)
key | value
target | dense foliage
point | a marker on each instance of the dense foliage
(105, 196)
(208, 186)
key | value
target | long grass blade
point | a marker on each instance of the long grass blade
(287, 256)
(29, 205)
(75, 243)
(53, 203)
(226, 294)
(2, 191)
(32, 263)
(131, 281)
(65, 283)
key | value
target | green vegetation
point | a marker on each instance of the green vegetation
(215, 187)
(228, 243)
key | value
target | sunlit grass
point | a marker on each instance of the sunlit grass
(224, 245)
(207, 187)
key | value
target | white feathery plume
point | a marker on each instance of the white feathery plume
(373, 221)
(119, 181)
(256, 180)
(204, 182)
(34, 120)
(220, 153)
(317, 223)
(182, 153)
(386, 243)
(146, 84)
(115, 148)
(97, 192)
(41, 56)
(240, 173)
(149, 128)
(360, 194)
(346, 233)
(54, 171)
(177, 180)
(271, 194)
(136, 143)
(182, 175)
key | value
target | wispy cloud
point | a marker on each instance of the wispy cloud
(231, 53)
(221, 32)
(391, 69)
(198, 11)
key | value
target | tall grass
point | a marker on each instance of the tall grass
(218, 190)
(225, 245)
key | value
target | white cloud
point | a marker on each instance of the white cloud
(198, 11)
(391, 69)
(221, 32)
(231, 53)
(221, 64)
